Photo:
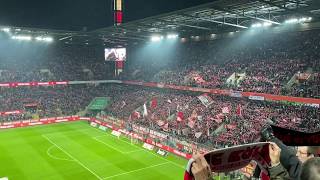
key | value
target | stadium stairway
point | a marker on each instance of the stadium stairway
(294, 81)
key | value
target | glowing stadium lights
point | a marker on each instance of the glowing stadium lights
(24, 38)
(29, 38)
(266, 24)
(156, 38)
(46, 39)
(292, 21)
(172, 36)
(258, 25)
(5, 30)
(298, 20)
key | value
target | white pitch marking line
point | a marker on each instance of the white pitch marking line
(129, 152)
(178, 165)
(128, 172)
(77, 161)
(112, 147)
(54, 157)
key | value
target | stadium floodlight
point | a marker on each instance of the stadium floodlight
(172, 36)
(303, 19)
(6, 29)
(39, 38)
(256, 25)
(24, 38)
(156, 38)
(266, 24)
(296, 20)
(46, 39)
(291, 21)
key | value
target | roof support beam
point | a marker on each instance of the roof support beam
(244, 15)
(186, 25)
(287, 9)
(220, 22)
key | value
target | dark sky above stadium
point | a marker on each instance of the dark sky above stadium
(76, 14)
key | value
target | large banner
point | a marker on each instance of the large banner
(6, 113)
(43, 121)
(17, 84)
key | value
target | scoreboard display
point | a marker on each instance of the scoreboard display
(115, 54)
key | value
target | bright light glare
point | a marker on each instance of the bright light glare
(302, 19)
(47, 39)
(296, 20)
(6, 29)
(172, 36)
(25, 38)
(256, 25)
(156, 38)
(267, 24)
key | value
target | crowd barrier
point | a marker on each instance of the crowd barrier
(251, 95)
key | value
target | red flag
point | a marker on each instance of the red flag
(180, 116)
(154, 103)
(136, 115)
(239, 110)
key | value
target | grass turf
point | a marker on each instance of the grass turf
(78, 151)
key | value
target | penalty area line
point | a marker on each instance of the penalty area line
(128, 172)
(114, 148)
(54, 157)
(174, 163)
(76, 160)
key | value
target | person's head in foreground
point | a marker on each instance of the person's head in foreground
(306, 152)
(311, 169)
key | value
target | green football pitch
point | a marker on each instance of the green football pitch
(78, 151)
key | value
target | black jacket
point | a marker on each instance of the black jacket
(289, 160)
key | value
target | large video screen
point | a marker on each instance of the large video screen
(115, 54)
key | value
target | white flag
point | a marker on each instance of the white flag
(198, 134)
(145, 111)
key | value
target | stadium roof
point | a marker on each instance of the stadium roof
(211, 18)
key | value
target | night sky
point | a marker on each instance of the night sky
(76, 14)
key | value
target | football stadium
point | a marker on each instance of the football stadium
(193, 90)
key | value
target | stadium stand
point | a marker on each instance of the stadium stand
(277, 63)
(239, 120)
(268, 64)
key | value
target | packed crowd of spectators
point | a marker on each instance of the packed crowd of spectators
(266, 64)
(271, 64)
(225, 121)
(239, 119)
(52, 63)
